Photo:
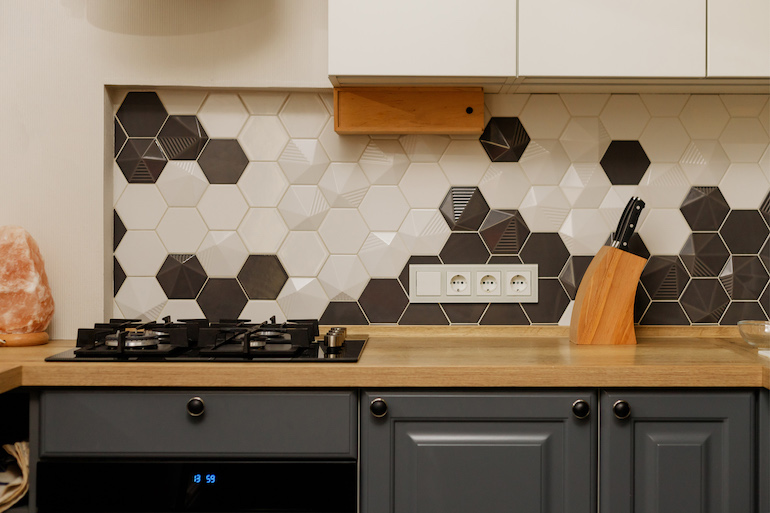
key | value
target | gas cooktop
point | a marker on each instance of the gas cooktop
(198, 340)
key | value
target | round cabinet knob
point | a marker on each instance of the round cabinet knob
(195, 407)
(621, 409)
(581, 409)
(378, 407)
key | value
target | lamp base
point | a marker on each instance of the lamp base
(23, 339)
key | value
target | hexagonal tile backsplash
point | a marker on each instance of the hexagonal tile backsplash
(248, 204)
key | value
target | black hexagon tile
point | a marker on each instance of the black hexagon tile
(343, 313)
(764, 301)
(181, 276)
(641, 302)
(668, 313)
(704, 300)
(504, 259)
(744, 277)
(404, 276)
(141, 160)
(262, 276)
(573, 272)
(464, 248)
(704, 255)
(423, 314)
(504, 231)
(222, 298)
(664, 278)
(504, 139)
(764, 208)
(552, 301)
(142, 114)
(120, 138)
(182, 138)
(743, 311)
(744, 232)
(764, 254)
(118, 276)
(223, 161)
(625, 162)
(464, 208)
(118, 230)
(504, 314)
(704, 208)
(464, 313)
(383, 300)
(548, 251)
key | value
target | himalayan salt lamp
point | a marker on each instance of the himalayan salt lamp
(26, 304)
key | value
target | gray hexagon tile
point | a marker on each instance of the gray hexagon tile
(504, 232)
(181, 276)
(704, 300)
(744, 277)
(223, 161)
(141, 160)
(262, 277)
(704, 208)
(263, 138)
(182, 138)
(141, 114)
(704, 255)
(383, 301)
(504, 139)
(222, 298)
(625, 162)
(464, 208)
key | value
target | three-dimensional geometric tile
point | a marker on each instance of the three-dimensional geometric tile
(704, 208)
(744, 277)
(464, 208)
(181, 276)
(704, 300)
(464, 248)
(744, 232)
(665, 313)
(504, 139)
(573, 272)
(625, 162)
(417, 314)
(664, 277)
(504, 231)
(740, 310)
(548, 251)
(764, 208)
(343, 313)
(262, 277)
(120, 138)
(704, 255)
(141, 160)
(142, 114)
(504, 314)
(552, 301)
(383, 300)
(222, 298)
(182, 137)
(118, 276)
(223, 161)
(464, 313)
(118, 230)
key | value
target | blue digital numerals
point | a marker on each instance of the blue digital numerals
(204, 478)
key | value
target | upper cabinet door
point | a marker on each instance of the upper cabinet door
(612, 38)
(738, 38)
(426, 38)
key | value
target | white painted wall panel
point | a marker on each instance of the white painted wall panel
(739, 38)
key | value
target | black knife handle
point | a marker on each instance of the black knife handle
(633, 219)
(622, 223)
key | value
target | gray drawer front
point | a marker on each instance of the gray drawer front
(264, 424)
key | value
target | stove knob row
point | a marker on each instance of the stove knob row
(195, 407)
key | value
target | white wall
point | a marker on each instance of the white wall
(56, 56)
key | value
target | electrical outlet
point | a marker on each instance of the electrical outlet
(484, 283)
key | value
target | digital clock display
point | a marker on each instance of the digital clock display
(204, 478)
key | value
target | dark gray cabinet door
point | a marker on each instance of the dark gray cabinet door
(478, 451)
(678, 452)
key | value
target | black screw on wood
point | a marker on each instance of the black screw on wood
(469, 110)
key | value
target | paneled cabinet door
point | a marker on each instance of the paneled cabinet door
(612, 38)
(424, 452)
(677, 452)
(739, 38)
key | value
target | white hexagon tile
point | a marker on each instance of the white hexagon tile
(344, 185)
(303, 207)
(424, 148)
(704, 162)
(464, 162)
(704, 116)
(544, 208)
(342, 148)
(384, 254)
(544, 162)
(585, 185)
(544, 116)
(302, 254)
(263, 138)
(384, 208)
(304, 115)
(744, 140)
(141, 298)
(424, 232)
(384, 162)
(182, 183)
(223, 115)
(304, 161)
(264, 103)
(182, 230)
(119, 183)
(664, 140)
(222, 254)
(585, 139)
(504, 185)
(344, 230)
(141, 253)
(584, 231)
(259, 310)
(141, 206)
(263, 231)
(182, 102)
(744, 186)
(222, 207)
(263, 184)
(664, 231)
(303, 298)
(343, 277)
(624, 116)
(663, 186)
(424, 185)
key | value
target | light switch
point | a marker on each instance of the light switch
(427, 283)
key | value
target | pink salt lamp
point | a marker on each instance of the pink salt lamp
(26, 304)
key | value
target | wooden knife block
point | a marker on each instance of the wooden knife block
(604, 306)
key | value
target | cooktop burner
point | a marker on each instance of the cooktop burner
(195, 340)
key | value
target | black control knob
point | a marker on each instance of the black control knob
(195, 407)
(621, 409)
(378, 407)
(581, 409)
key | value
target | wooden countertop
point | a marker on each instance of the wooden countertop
(436, 357)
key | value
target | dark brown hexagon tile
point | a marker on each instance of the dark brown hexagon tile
(414, 260)
(548, 251)
(118, 276)
(504, 231)
(181, 276)
(552, 301)
(667, 313)
(141, 160)
(504, 139)
(505, 259)
(182, 137)
(464, 313)
(744, 277)
(423, 314)
(120, 138)
(464, 248)
(118, 230)
(743, 311)
(383, 300)
(641, 302)
(504, 314)
(744, 232)
(464, 208)
(343, 313)
(764, 301)
(764, 254)
(573, 272)
(142, 114)
(262, 276)
(704, 208)
(704, 300)
(704, 255)
(764, 208)
(664, 278)
(625, 162)
(223, 161)
(222, 298)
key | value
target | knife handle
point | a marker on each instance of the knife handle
(633, 219)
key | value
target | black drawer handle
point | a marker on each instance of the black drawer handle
(195, 407)
(378, 407)
(581, 409)
(621, 409)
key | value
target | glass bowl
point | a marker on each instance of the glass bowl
(756, 333)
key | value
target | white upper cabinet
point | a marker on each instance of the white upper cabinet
(430, 38)
(613, 38)
(739, 38)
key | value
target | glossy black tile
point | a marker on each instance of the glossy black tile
(142, 114)
(504, 314)
(404, 276)
(464, 208)
(573, 272)
(664, 278)
(548, 251)
(181, 276)
(262, 276)
(222, 298)
(182, 138)
(625, 162)
(704, 300)
(343, 313)
(744, 232)
(704, 255)
(504, 139)
(551, 304)
(383, 300)
(141, 160)
(118, 230)
(120, 138)
(504, 231)
(423, 314)
(464, 313)
(223, 161)
(743, 311)
(704, 208)
(118, 276)
(464, 248)
(744, 277)
(668, 313)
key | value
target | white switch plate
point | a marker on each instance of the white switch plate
(483, 283)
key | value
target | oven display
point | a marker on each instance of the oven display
(204, 478)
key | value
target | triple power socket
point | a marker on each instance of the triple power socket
(484, 283)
